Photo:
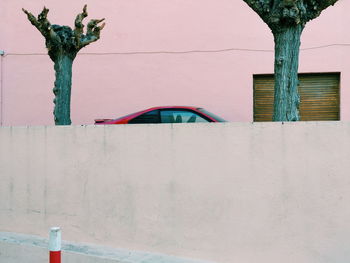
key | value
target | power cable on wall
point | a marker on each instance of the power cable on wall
(180, 52)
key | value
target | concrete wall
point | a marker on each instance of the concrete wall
(231, 192)
(153, 53)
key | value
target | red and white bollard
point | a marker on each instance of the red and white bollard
(55, 245)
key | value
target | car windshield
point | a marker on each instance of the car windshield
(119, 118)
(212, 115)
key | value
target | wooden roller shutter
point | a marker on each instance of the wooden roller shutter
(319, 97)
(263, 97)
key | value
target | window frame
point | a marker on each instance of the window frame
(148, 112)
(183, 110)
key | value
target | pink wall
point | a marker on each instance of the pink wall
(116, 83)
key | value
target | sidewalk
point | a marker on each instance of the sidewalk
(19, 248)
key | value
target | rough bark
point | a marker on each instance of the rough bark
(287, 19)
(62, 89)
(286, 98)
(63, 44)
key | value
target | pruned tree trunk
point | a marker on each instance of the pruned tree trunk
(286, 98)
(63, 44)
(62, 89)
(287, 19)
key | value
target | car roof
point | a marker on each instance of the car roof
(174, 107)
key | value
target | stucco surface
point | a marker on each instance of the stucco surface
(154, 53)
(231, 192)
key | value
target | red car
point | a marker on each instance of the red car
(168, 114)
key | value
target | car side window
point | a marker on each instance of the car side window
(180, 116)
(148, 117)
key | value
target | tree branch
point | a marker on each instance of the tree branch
(63, 37)
(256, 5)
(315, 7)
(261, 7)
(79, 26)
(323, 4)
(42, 24)
(93, 32)
(278, 14)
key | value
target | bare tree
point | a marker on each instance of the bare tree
(63, 44)
(287, 19)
